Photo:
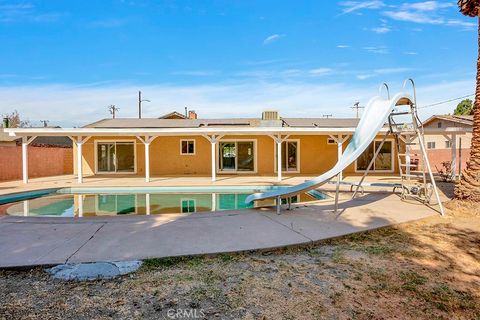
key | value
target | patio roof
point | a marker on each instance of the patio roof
(176, 131)
(208, 130)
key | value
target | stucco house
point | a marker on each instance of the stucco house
(445, 145)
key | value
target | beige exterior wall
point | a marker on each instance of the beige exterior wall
(440, 140)
(315, 155)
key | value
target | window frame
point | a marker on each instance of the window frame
(431, 143)
(188, 199)
(187, 141)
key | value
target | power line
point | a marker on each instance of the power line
(446, 101)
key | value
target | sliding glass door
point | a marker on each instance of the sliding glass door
(237, 156)
(290, 156)
(384, 160)
(116, 157)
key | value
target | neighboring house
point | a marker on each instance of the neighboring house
(48, 156)
(443, 144)
(177, 115)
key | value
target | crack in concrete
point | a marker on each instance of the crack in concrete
(59, 246)
(91, 237)
(289, 228)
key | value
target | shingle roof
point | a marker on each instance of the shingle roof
(322, 122)
(167, 123)
(468, 120)
(173, 115)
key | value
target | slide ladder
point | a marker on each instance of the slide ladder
(378, 111)
(414, 183)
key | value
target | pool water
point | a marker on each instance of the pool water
(80, 202)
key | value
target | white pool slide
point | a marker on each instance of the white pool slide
(373, 119)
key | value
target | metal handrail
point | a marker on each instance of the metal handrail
(388, 90)
(414, 89)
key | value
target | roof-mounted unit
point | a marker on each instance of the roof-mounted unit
(270, 115)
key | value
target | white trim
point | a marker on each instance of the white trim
(188, 199)
(298, 156)
(128, 132)
(95, 155)
(194, 147)
(392, 162)
(217, 157)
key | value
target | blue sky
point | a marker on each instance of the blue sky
(227, 58)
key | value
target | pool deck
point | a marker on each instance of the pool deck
(29, 241)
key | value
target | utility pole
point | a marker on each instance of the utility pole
(140, 104)
(327, 116)
(113, 110)
(357, 106)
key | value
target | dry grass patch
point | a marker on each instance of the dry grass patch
(424, 270)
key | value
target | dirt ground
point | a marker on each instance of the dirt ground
(424, 270)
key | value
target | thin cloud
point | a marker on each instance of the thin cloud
(382, 29)
(377, 50)
(411, 16)
(320, 71)
(365, 76)
(382, 72)
(272, 38)
(424, 12)
(426, 6)
(352, 6)
(26, 12)
(343, 46)
(425, 18)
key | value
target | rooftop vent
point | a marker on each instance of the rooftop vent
(270, 115)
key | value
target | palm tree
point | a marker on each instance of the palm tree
(468, 187)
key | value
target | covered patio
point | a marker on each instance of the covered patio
(80, 136)
(146, 137)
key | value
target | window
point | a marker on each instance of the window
(384, 160)
(187, 147)
(188, 205)
(116, 157)
(439, 124)
(448, 144)
(236, 156)
(430, 145)
(331, 141)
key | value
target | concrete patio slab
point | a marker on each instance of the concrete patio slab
(26, 241)
(25, 244)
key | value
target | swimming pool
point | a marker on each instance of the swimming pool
(85, 202)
